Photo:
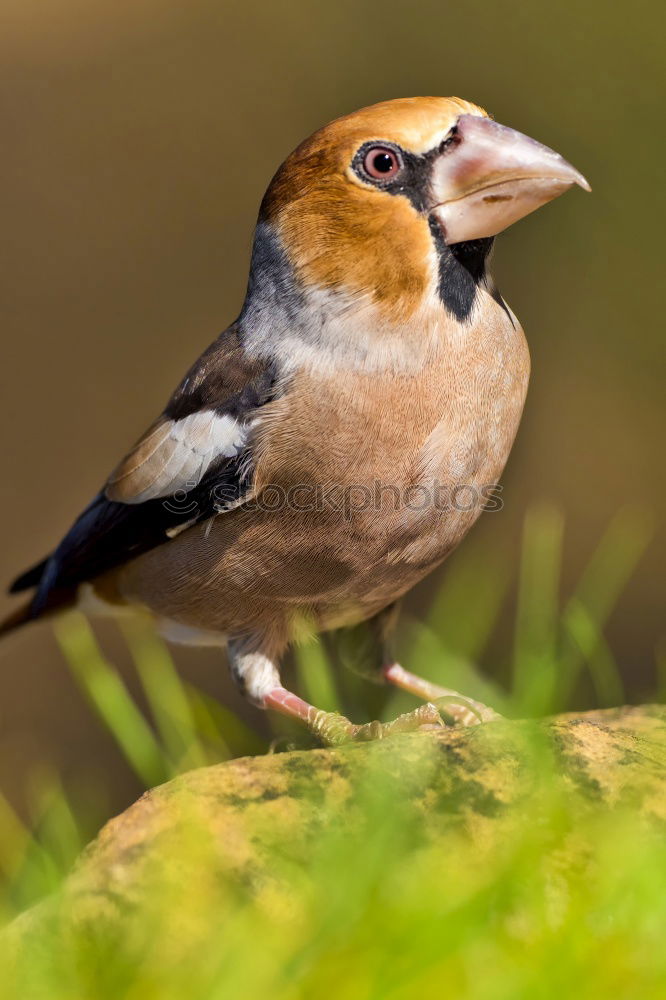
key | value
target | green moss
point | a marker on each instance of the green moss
(397, 869)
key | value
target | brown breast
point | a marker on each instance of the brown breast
(354, 474)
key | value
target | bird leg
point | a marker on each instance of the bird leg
(366, 648)
(257, 675)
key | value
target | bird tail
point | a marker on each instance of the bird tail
(25, 614)
(56, 600)
(31, 578)
(20, 616)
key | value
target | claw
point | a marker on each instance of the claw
(463, 711)
(333, 729)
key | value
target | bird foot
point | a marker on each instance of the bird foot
(333, 729)
(456, 709)
(443, 708)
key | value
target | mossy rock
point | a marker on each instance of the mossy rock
(254, 823)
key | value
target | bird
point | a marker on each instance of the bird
(337, 441)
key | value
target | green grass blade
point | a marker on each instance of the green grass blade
(585, 633)
(53, 818)
(608, 571)
(166, 694)
(468, 602)
(221, 727)
(209, 733)
(535, 649)
(107, 693)
(595, 597)
(14, 838)
(29, 871)
(315, 676)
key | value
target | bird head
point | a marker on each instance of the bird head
(389, 203)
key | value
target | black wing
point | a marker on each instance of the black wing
(192, 464)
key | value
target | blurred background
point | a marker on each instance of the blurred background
(138, 140)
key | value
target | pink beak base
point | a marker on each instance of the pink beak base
(489, 176)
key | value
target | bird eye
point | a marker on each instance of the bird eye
(381, 163)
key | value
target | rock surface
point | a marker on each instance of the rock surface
(485, 781)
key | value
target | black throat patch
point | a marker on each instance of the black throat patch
(462, 267)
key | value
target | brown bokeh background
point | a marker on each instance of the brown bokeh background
(138, 137)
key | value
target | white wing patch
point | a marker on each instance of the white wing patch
(175, 455)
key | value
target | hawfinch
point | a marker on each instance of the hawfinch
(338, 440)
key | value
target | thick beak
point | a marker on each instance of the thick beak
(489, 176)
